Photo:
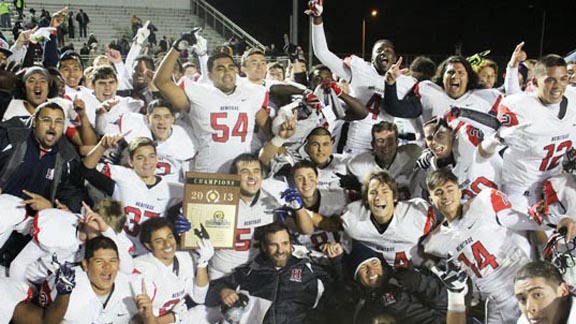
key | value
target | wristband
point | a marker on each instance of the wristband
(278, 141)
(456, 301)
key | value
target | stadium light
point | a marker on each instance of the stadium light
(373, 14)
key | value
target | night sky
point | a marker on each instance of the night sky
(419, 27)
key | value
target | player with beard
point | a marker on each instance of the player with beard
(366, 80)
(387, 225)
(291, 286)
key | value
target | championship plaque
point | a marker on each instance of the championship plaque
(211, 200)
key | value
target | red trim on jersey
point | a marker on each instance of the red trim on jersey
(29, 294)
(106, 170)
(71, 131)
(499, 200)
(458, 126)
(35, 228)
(549, 193)
(67, 97)
(266, 102)
(131, 250)
(506, 116)
(155, 291)
(136, 271)
(473, 134)
(494, 109)
(181, 84)
(430, 220)
(348, 60)
(416, 89)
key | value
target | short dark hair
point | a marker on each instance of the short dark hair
(304, 164)
(274, 227)
(249, 52)
(217, 56)
(151, 225)
(102, 72)
(541, 269)
(146, 58)
(70, 55)
(49, 105)
(139, 142)
(319, 131)
(548, 61)
(98, 243)
(276, 65)
(439, 178)
(422, 68)
(160, 103)
(112, 212)
(244, 157)
(382, 177)
(472, 76)
(384, 126)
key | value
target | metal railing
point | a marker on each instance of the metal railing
(226, 27)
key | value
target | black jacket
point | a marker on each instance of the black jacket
(66, 183)
(293, 289)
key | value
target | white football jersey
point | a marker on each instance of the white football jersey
(258, 213)
(13, 293)
(398, 244)
(173, 154)
(332, 203)
(107, 122)
(170, 283)
(534, 153)
(436, 102)
(87, 307)
(560, 196)
(367, 86)
(327, 178)
(223, 125)
(486, 250)
(13, 213)
(87, 96)
(401, 169)
(140, 202)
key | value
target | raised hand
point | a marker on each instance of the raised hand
(113, 55)
(517, 56)
(142, 33)
(36, 201)
(453, 277)
(181, 224)
(205, 252)
(93, 220)
(201, 46)
(426, 159)
(144, 303)
(58, 17)
(315, 8)
(41, 34)
(111, 140)
(332, 85)
(292, 198)
(394, 72)
(349, 182)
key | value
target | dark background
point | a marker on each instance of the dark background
(418, 27)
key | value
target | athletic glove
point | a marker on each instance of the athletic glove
(312, 100)
(205, 252)
(201, 46)
(426, 159)
(283, 213)
(315, 8)
(292, 198)
(451, 275)
(569, 161)
(42, 34)
(349, 182)
(65, 276)
(189, 37)
(332, 85)
(539, 211)
(182, 225)
(142, 34)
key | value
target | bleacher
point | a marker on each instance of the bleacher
(111, 23)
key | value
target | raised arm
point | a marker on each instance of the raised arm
(163, 81)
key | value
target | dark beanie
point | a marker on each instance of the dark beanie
(359, 255)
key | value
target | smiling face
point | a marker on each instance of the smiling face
(540, 301)
(277, 247)
(552, 84)
(370, 273)
(223, 74)
(72, 72)
(250, 178)
(105, 88)
(440, 141)
(383, 55)
(305, 181)
(319, 147)
(571, 69)
(381, 201)
(144, 162)
(48, 127)
(102, 269)
(255, 67)
(455, 80)
(36, 89)
(385, 145)
(487, 77)
(163, 245)
(161, 121)
(446, 198)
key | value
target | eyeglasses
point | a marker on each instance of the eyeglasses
(50, 121)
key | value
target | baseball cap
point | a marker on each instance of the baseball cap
(5, 48)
